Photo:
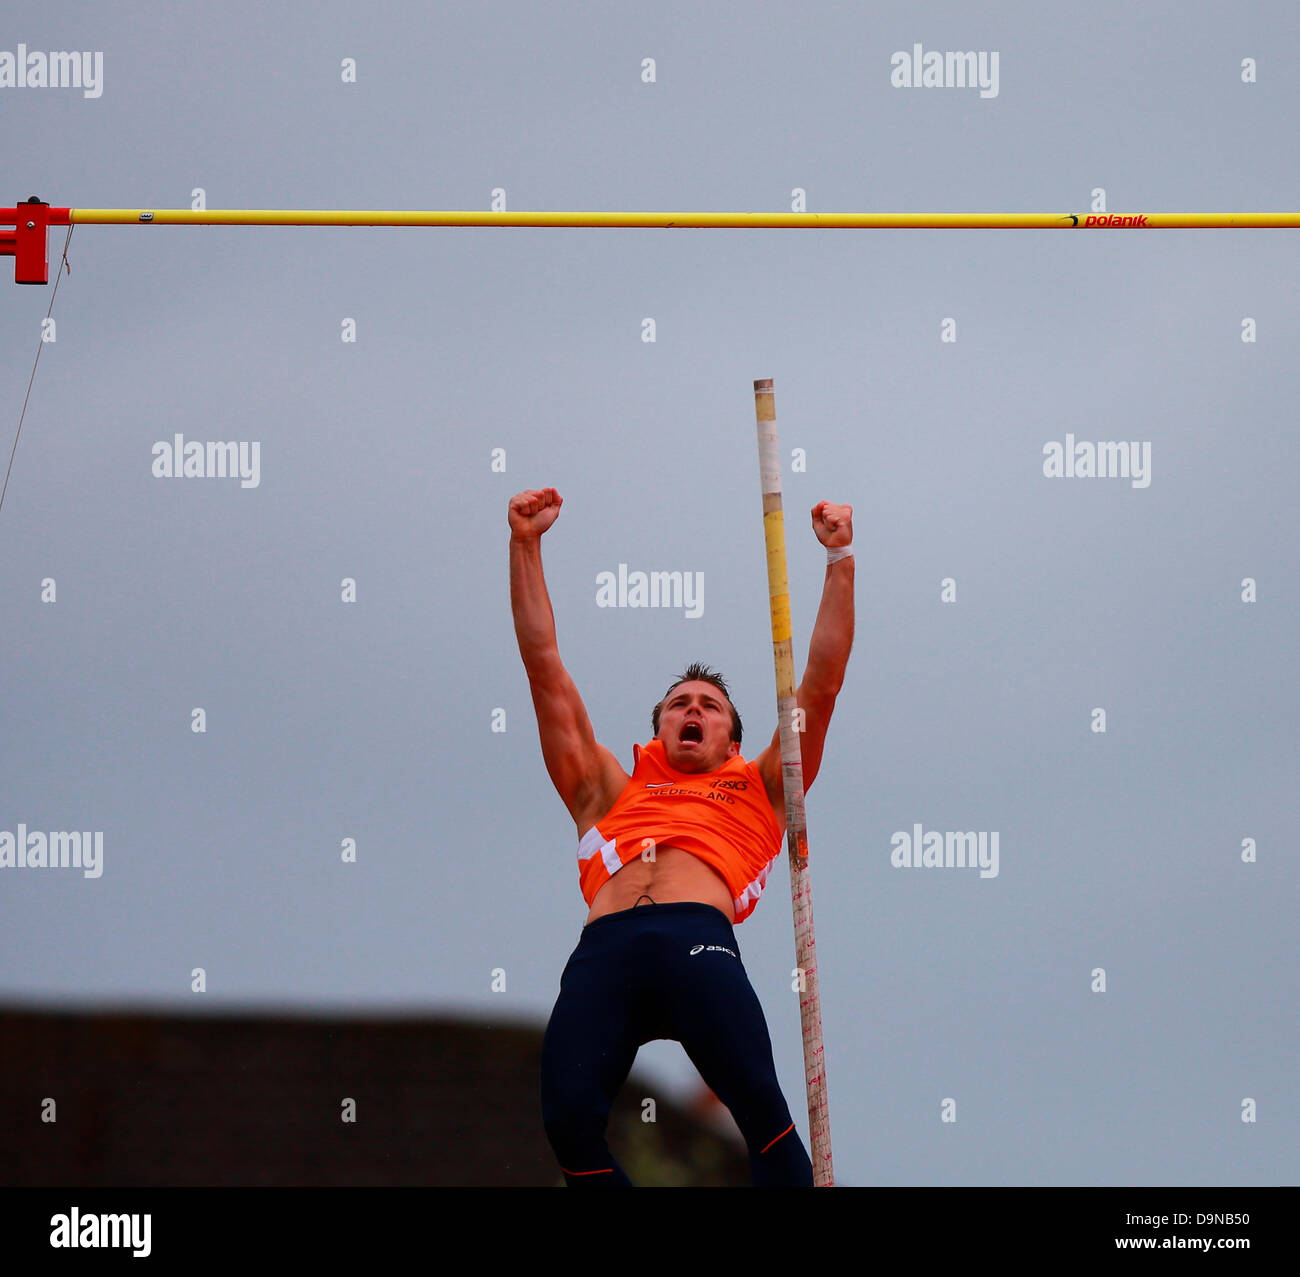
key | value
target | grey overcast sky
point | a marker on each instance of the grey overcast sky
(920, 375)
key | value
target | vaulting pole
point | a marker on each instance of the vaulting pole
(796, 829)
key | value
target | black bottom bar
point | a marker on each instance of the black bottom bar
(180, 1225)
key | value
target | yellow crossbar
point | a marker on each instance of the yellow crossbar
(400, 217)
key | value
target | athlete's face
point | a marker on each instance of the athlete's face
(695, 727)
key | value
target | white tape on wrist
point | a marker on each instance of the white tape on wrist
(842, 552)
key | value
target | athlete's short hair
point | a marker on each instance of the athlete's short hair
(697, 673)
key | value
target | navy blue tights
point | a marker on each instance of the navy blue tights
(661, 971)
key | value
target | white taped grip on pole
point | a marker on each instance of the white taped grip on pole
(769, 456)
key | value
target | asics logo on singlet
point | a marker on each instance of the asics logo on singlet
(713, 948)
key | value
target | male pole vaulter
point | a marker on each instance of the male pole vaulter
(668, 859)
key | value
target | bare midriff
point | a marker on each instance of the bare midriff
(673, 875)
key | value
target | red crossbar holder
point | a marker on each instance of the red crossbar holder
(28, 244)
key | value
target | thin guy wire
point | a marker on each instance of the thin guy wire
(41, 346)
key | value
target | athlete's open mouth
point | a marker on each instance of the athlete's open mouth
(692, 732)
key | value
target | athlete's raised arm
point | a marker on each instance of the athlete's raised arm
(585, 774)
(828, 655)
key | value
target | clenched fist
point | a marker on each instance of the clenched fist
(532, 512)
(833, 524)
